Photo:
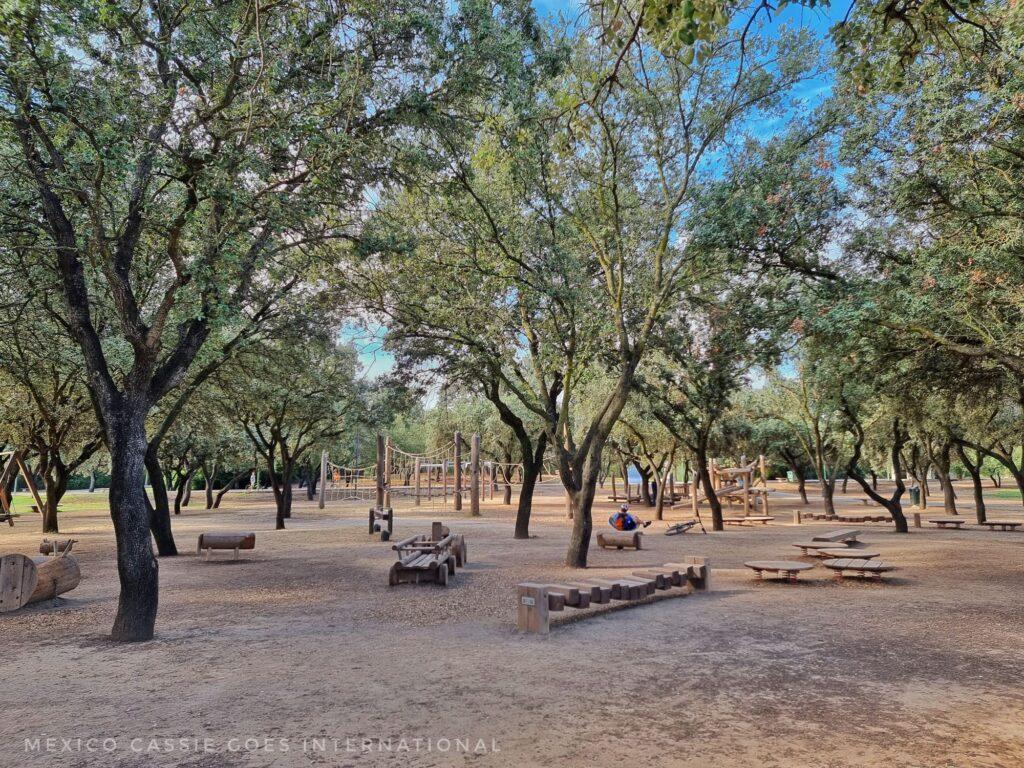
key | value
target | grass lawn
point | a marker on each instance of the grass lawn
(1003, 493)
(81, 502)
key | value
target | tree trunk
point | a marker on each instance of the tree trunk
(582, 504)
(92, 481)
(714, 502)
(187, 497)
(160, 512)
(231, 484)
(184, 483)
(974, 470)
(137, 566)
(828, 490)
(56, 482)
(645, 484)
(532, 463)
(801, 483)
(209, 473)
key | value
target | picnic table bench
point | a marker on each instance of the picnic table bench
(535, 601)
(948, 522)
(1006, 525)
(834, 536)
(787, 569)
(228, 541)
(806, 546)
(619, 539)
(423, 559)
(860, 554)
(859, 567)
(748, 520)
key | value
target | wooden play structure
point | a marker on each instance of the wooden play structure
(745, 486)
(535, 602)
(15, 465)
(437, 478)
(382, 521)
(428, 559)
(25, 580)
(208, 542)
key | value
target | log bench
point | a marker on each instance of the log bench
(748, 520)
(858, 567)
(24, 580)
(835, 536)
(536, 601)
(787, 569)
(229, 541)
(428, 559)
(1005, 525)
(619, 539)
(948, 522)
(378, 517)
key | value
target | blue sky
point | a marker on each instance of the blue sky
(369, 343)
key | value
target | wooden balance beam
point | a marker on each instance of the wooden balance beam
(536, 601)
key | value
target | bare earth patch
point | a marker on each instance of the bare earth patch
(302, 649)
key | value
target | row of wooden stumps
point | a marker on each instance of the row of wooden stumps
(535, 602)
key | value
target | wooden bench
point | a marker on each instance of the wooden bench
(619, 539)
(787, 569)
(536, 601)
(433, 559)
(834, 536)
(807, 546)
(235, 541)
(379, 516)
(859, 567)
(748, 520)
(948, 522)
(1005, 525)
(832, 554)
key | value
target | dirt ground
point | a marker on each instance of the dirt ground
(301, 655)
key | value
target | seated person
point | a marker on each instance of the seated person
(624, 521)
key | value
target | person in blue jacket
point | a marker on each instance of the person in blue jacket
(624, 521)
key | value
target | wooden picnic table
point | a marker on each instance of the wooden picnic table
(788, 569)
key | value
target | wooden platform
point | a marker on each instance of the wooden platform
(858, 567)
(787, 569)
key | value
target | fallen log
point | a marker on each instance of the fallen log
(24, 581)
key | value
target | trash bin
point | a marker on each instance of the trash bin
(791, 476)
(915, 496)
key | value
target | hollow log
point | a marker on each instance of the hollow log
(55, 576)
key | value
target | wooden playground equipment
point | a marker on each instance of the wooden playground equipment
(226, 541)
(745, 486)
(16, 465)
(428, 559)
(433, 478)
(535, 602)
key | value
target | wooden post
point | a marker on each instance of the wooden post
(532, 608)
(417, 471)
(380, 470)
(796, 517)
(671, 488)
(457, 491)
(474, 476)
(917, 519)
(323, 477)
(764, 470)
